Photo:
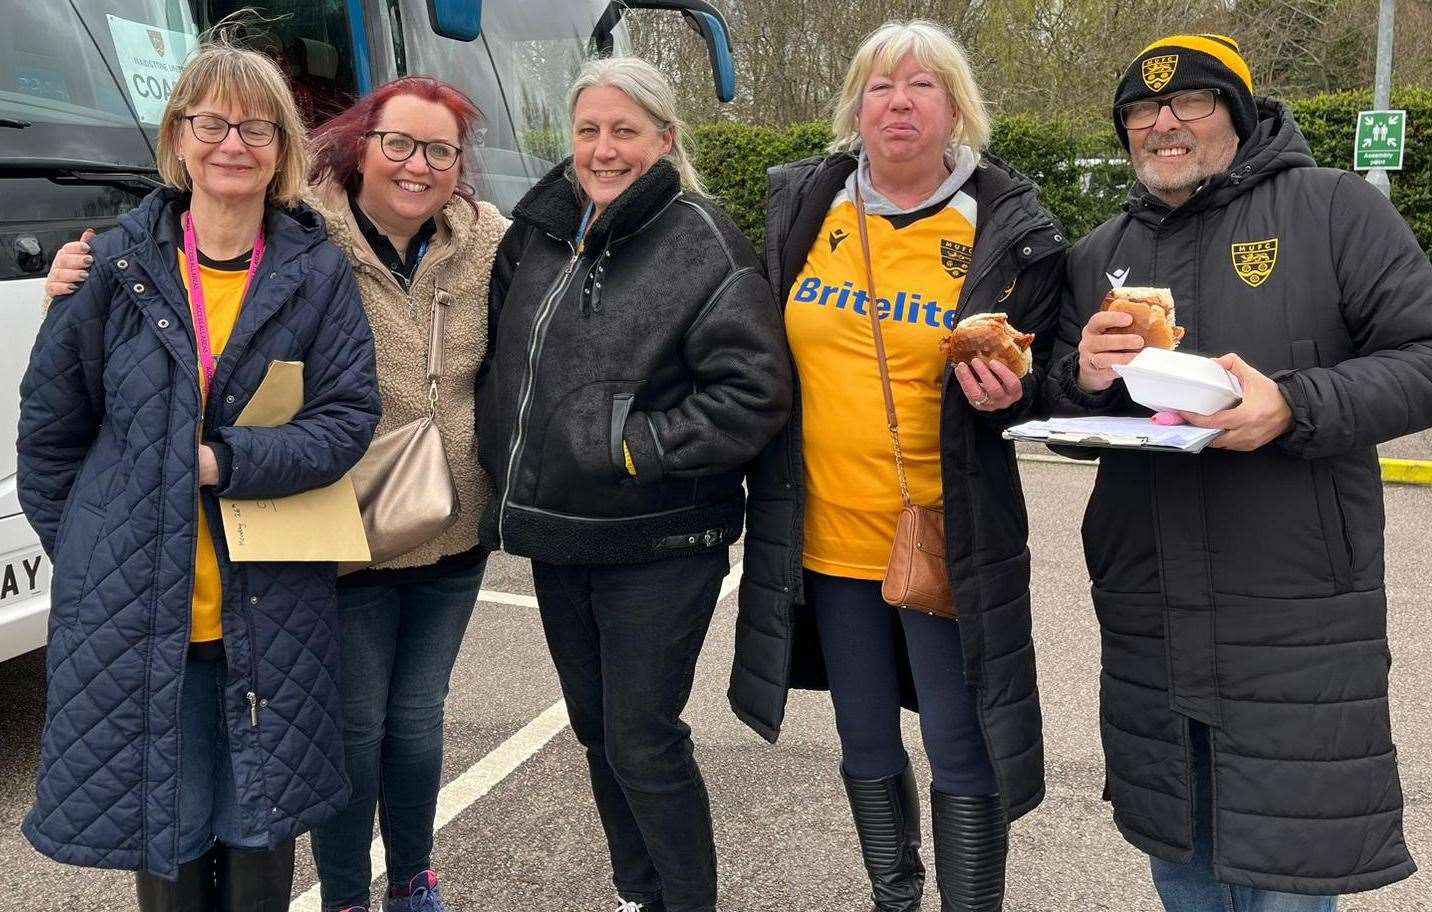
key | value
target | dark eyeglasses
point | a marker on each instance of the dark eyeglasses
(212, 129)
(399, 147)
(1194, 104)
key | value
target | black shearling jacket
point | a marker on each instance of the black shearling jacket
(658, 331)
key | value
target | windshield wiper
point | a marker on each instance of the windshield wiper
(80, 172)
(14, 124)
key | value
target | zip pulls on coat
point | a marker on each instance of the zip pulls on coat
(591, 297)
(534, 353)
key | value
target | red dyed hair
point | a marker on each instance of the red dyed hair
(340, 143)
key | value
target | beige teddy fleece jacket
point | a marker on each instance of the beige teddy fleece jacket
(458, 261)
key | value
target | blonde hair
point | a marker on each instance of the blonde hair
(234, 76)
(652, 92)
(936, 50)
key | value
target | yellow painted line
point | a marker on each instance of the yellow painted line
(1407, 471)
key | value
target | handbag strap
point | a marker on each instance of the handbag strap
(871, 306)
(437, 346)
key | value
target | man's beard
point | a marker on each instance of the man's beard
(1193, 168)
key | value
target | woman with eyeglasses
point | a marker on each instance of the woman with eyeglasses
(387, 178)
(193, 717)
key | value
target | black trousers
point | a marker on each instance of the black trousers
(625, 640)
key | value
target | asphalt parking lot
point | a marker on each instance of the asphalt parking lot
(520, 831)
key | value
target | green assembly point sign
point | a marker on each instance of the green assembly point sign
(1380, 139)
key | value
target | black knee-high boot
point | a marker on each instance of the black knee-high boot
(971, 845)
(255, 880)
(192, 892)
(887, 820)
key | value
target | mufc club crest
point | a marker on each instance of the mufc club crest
(1158, 71)
(955, 258)
(1254, 260)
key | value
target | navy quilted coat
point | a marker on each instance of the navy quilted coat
(109, 421)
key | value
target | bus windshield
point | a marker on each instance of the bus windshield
(518, 72)
(86, 80)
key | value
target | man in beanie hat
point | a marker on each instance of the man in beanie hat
(1240, 592)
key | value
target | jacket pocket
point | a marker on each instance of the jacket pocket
(621, 408)
(1333, 519)
(581, 469)
(1304, 353)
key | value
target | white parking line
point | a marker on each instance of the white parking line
(484, 775)
(494, 597)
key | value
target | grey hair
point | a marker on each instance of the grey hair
(652, 92)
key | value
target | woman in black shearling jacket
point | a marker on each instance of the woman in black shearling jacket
(638, 362)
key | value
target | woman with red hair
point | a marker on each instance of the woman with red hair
(387, 177)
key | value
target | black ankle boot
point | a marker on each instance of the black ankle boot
(887, 820)
(255, 880)
(192, 892)
(971, 845)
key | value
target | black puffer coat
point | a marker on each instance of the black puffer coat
(1017, 268)
(1245, 590)
(660, 332)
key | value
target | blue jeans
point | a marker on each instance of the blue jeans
(399, 646)
(1190, 887)
(208, 803)
(862, 639)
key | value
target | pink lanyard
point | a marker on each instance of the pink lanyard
(196, 296)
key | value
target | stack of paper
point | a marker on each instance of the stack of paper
(1115, 433)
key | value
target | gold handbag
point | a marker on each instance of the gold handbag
(916, 576)
(404, 484)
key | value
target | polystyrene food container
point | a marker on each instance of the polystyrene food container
(1179, 382)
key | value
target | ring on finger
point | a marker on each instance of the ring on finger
(981, 401)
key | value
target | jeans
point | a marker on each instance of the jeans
(1190, 887)
(625, 640)
(208, 802)
(861, 638)
(399, 644)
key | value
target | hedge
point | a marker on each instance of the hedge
(1082, 172)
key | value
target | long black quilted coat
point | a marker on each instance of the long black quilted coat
(1245, 590)
(109, 425)
(1017, 269)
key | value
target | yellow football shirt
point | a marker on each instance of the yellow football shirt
(852, 491)
(223, 298)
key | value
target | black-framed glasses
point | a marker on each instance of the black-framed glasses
(399, 147)
(213, 129)
(1195, 104)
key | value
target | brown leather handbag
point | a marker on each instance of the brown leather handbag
(916, 576)
(404, 484)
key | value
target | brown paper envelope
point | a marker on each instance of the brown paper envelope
(318, 525)
(323, 524)
(278, 398)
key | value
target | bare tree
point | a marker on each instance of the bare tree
(1050, 57)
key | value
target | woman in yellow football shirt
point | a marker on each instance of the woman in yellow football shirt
(953, 232)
